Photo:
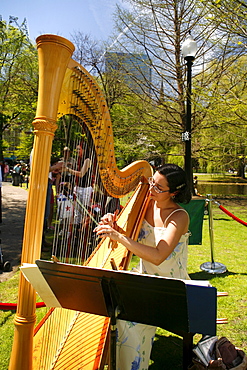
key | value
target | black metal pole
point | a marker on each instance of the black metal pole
(1, 218)
(187, 138)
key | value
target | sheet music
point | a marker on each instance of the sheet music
(35, 277)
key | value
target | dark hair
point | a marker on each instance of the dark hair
(177, 182)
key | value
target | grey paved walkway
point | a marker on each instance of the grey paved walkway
(13, 215)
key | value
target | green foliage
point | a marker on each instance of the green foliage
(229, 15)
(24, 149)
(220, 141)
(139, 133)
(157, 118)
(18, 83)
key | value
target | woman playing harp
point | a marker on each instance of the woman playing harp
(161, 245)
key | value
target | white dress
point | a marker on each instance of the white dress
(134, 340)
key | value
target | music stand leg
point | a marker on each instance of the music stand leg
(112, 300)
(113, 342)
(187, 349)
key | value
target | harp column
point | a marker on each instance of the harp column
(54, 54)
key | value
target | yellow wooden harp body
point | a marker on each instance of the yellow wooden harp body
(66, 339)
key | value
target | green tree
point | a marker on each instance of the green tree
(225, 125)
(230, 16)
(149, 115)
(18, 81)
(157, 30)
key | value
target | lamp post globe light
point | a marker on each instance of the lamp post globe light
(189, 49)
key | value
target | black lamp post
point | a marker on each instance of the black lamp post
(189, 48)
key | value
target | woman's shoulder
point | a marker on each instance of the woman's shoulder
(179, 212)
(179, 215)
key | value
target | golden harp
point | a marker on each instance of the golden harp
(66, 339)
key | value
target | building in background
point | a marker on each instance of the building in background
(134, 68)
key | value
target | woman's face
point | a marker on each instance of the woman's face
(79, 150)
(159, 186)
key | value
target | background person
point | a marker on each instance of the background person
(195, 182)
(79, 180)
(6, 171)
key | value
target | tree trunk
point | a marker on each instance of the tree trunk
(241, 168)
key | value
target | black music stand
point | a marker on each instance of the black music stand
(168, 303)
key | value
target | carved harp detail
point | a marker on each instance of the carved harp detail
(65, 339)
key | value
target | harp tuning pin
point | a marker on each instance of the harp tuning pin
(54, 259)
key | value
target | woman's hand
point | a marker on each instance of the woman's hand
(108, 219)
(64, 168)
(108, 226)
(103, 230)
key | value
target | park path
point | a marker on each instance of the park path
(13, 208)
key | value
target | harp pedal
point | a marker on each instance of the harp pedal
(113, 264)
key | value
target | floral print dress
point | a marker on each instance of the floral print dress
(134, 340)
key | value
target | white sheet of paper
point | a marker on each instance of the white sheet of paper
(37, 280)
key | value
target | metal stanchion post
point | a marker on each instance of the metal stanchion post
(212, 267)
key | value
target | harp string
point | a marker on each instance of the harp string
(75, 227)
(99, 198)
(73, 243)
(70, 244)
(74, 240)
(55, 333)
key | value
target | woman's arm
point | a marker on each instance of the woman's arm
(156, 255)
(83, 170)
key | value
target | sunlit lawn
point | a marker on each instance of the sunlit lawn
(230, 249)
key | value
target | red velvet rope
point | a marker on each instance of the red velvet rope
(13, 306)
(234, 217)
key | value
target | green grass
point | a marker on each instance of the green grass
(230, 249)
(8, 293)
(220, 177)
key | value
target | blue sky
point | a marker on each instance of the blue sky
(62, 17)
